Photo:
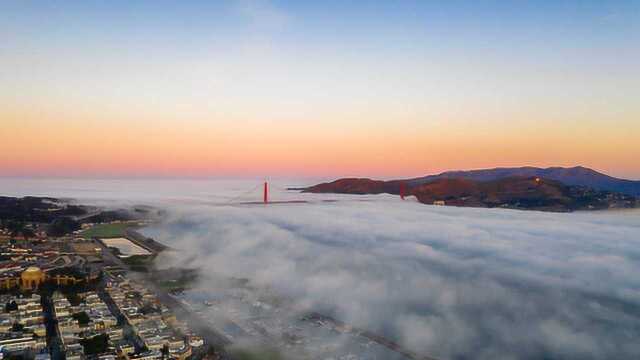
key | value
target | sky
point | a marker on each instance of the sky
(303, 89)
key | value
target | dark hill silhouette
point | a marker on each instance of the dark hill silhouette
(579, 175)
(520, 188)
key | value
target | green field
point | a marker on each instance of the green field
(106, 230)
(139, 263)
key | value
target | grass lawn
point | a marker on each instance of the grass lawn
(106, 230)
(182, 282)
(139, 263)
(138, 259)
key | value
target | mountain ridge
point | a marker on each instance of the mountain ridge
(550, 189)
(577, 175)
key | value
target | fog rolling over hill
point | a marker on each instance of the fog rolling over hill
(579, 175)
(526, 188)
(449, 282)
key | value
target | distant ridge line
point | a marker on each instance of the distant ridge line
(577, 176)
(525, 188)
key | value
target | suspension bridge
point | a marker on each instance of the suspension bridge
(250, 197)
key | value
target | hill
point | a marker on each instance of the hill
(527, 193)
(568, 190)
(37, 209)
(579, 176)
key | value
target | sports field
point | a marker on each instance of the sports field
(106, 230)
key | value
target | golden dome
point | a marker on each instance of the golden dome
(31, 278)
(32, 273)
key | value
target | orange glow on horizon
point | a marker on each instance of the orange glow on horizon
(42, 145)
(402, 92)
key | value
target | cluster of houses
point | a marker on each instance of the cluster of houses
(22, 328)
(121, 320)
(87, 327)
(160, 334)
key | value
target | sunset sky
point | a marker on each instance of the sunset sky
(324, 88)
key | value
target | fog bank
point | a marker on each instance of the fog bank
(449, 282)
(455, 283)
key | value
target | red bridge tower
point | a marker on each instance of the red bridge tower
(266, 193)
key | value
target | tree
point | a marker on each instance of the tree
(95, 345)
(62, 226)
(82, 318)
(15, 228)
(74, 298)
(165, 351)
(148, 308)
(11, 306)
(28, 233)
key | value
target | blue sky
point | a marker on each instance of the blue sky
(313, 74)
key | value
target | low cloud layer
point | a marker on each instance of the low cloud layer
(453, 283)
(450, 282)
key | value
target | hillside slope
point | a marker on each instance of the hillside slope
(579, 176)
(516, 192)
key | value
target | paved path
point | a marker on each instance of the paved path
(196, 323)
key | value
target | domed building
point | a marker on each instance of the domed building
(31, 278)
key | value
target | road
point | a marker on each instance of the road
(87, 215)
(196, 323)
(368, 335)
(53, 338)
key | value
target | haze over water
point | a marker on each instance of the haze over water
(449, 282)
